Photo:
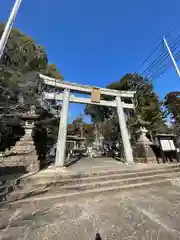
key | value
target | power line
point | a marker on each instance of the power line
(172, 29)
(157, 73)
(156, 65)
(161, 59)
(155, 62)
(151, 54)
(163, 55)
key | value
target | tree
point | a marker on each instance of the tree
(81, 129)
(172, 105)
(172, 110)
(19, 84)
(89, 133)
(147, 106)
(76, 127)
(110, 129)
(21, 61)
(52, 71)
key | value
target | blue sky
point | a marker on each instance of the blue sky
(96, 42)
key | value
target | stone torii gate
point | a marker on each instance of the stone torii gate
(95, 93)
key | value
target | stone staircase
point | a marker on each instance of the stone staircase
(54, 185)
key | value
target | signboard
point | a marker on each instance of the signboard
(95, 95)
(167, 145)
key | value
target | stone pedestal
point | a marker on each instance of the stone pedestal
(24, 152)
(143, 151)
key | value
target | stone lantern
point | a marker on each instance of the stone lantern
(24, 152)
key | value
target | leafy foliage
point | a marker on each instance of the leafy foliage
(81, 129)
(52, 71)
(147, 107)
(19, 84)
(110, 129)
(172, 104)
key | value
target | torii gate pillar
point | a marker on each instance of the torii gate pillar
(124, 132)
(61, 143)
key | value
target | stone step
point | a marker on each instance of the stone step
(96, 184)
(108, 183)
(34, 196)
(37, 181)
(65, 174)
(86, 182)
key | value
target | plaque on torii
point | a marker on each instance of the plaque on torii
(95, 95)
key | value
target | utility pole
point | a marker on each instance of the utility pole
(8, 27)
(172, 57)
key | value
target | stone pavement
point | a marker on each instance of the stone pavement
(96, 164)
(142, 214)
(100, 164)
